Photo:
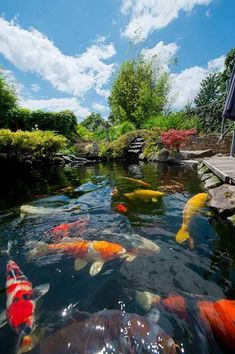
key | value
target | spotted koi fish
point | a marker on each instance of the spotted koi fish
(96, 252)
(21, 300)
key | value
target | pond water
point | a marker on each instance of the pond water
(204, 272)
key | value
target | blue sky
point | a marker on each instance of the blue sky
(65, 53)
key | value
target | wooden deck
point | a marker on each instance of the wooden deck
(223, 167)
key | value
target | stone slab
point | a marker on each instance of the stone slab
(197, 154)
(223, 199)
(223, 167)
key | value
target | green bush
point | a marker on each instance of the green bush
(84, 133)
(178, 120)
(117, 131)
(36, 144)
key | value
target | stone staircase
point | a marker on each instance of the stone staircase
(135, 148)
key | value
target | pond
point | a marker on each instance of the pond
(93, 194)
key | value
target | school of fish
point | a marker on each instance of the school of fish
(143, 334)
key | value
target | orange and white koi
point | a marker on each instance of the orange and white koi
(95, 252)
(21, 300)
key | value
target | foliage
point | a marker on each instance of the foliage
(118, 130)
(117, 148)
(84, 133)
(173, 138)
(177, 120)
(8, 100)
(94, 122)
(138, 92)
(35, 144)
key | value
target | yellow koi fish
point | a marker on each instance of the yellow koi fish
(136, 181)
(193, 205)
(144, 194)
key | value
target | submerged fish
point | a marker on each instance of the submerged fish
(218, 316)
(34, 210)
(121, 208)
(192, 206)
(109, 331)
(136, 181)
(67, 230)
(145, 195)
(21, 300)
(96, 252)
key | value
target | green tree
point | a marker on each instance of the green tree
(138, 92)
(94, 122)
(8, 100)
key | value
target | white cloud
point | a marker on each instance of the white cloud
(57, 105)
(35, 87)
(186, 85)
(147, 16)
(31, 51)
(162, 54)
(99, 107)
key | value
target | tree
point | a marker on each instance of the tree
(8, 100)
(95, 122)
(138, 92)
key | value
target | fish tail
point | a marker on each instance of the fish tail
(182, 234)
(37, 249)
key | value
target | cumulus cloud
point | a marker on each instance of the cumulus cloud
(57, 105)
(99, 107)
(147, 16)
(186, 84)
(162, 54)
(31, 51)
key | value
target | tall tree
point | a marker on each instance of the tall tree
(8, 100)
(138, 92)
(94, 121)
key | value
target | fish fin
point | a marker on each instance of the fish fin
(96, 267)
(40, 291)
(29, 342)
(129, 257)
(79, 264)
(146, 299)
(3, 319)
(182, 234)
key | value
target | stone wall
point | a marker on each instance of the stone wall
(208, 142)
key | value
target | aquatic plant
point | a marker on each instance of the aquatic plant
(173, 138)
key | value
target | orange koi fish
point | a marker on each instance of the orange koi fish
(21, 301)
(136, 181)
(121, 208)
(96, 252)
(66, 230)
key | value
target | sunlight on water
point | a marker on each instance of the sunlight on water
(126, 304)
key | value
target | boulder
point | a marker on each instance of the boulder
(161, 156)
(203, 170)
(206, 176)
(223, 199)
(187, 155)
(212, 182)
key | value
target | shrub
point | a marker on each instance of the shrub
(84, 133)
(177, 120)
(173, 138)
(35, 144)
(117, 131)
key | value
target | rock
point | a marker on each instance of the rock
(94, 152)
(203, 170)
(175, 157)
(142, 156)
(223, 199)
(191, 163)
(200, 165)
(187, 155)
(162, 155)
(212, 182)
(206, 176)
(231, 219)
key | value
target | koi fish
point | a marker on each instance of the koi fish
(136, 181)
(66, 230)
(219, 316)
(146, 195)
(21, 300)
(192, 206)
(34, 210)
(84, 252)
(121, 208)
(108, 331)
(115, 192)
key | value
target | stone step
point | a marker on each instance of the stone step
(135, 146)
(134, 151)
